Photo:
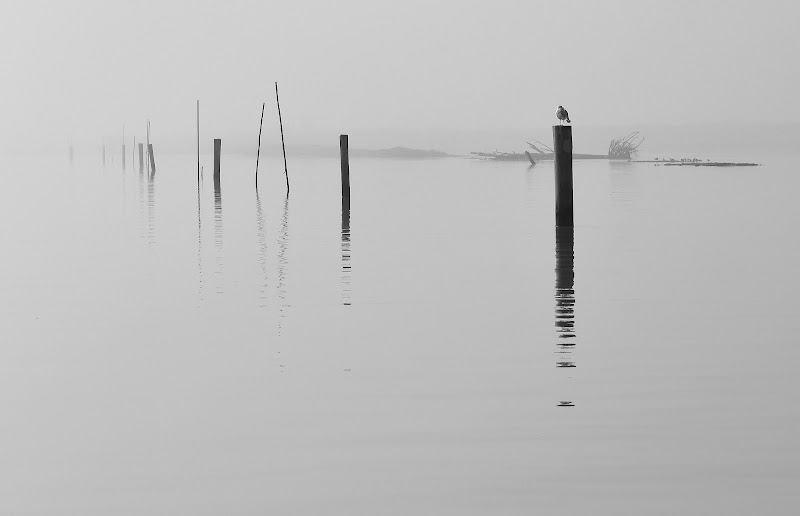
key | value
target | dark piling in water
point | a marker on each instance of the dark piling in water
(562, 159)
(217, 152)
(152, 159)
(344, 152)
(141, 157)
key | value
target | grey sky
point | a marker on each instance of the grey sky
(81, 69)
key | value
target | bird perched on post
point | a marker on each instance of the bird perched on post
(562, 115)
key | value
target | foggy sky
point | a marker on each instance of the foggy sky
(77, 71)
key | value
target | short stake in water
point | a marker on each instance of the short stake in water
(562, 159)
(217, 152)
(141, 158)
(345, 155)
(152, 159)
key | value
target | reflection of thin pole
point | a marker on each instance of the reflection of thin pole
(285, 168)
(258, 152)
(283, 243)
(262, 248)
(199, 246)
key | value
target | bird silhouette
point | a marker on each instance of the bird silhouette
(562, 115)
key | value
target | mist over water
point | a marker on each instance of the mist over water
(167, 352)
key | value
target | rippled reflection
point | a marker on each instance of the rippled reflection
(141, 202)
(199, 248)
(261, 236)
(151, 210)
(283, 244)
(218, 234)
(565, 298)
(346, 267)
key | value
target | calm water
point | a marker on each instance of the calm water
(165, 352)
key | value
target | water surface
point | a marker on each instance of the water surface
(169, 349)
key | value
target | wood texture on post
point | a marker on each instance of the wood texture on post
(562, 160)
(141, 157)
(152, 159)
(345, 156)
(217, 152)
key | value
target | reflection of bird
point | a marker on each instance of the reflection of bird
(562, 114)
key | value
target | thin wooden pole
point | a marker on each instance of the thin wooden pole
(198, 144)
(283, 145)
(258, 152)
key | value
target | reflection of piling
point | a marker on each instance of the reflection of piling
(345, 155)
(565, 297)
(123, 157)
(217, 152)
(346, 267)
(562, 158)
(141, 157)
(152, 159)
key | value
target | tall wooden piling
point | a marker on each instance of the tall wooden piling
(217, 152)
(562, 159)
(141, 157)
(344, 151)
(152, 159)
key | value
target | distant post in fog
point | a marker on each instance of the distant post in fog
(562, 160)
(123, 157)
(152, 159)
(104, 154)
(141, 157)
(217, 152)
(344, 151)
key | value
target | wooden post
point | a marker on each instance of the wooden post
(198, 144)
(283, 145)
(217, 152)
(141, 157)
(258, 152)
(562, 159)
(345, 155)
(152, 159)
(123, 157)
